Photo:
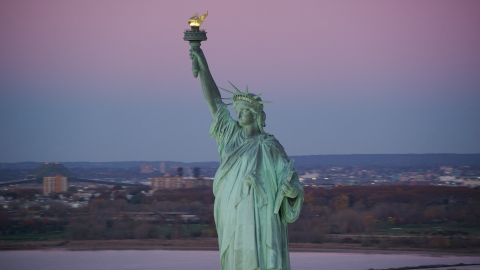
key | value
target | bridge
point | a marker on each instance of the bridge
(110, 182)
(95, 181)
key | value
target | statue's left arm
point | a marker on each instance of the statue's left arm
(292, 200)
(290, 194)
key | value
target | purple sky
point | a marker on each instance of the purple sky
(111, 81)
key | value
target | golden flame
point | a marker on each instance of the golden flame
(196, 20)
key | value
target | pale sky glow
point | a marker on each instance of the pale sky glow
(110, 80)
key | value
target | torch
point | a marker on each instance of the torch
(194, 36)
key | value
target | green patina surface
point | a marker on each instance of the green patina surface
(256, 188)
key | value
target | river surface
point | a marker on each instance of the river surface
(168, 259)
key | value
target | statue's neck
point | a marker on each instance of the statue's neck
(251, 131)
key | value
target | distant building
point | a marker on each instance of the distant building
(471, 183)
(446, 169)
(167, 182)
(56, 184)
(180, 171)
(187, 171)
(450, 179)
(204, 181)
(190, 183)
(146, 168)
(196, 172)
(163, 167)
(176, 182)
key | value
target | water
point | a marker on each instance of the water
(168, 259)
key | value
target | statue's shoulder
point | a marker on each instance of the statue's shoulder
(270, 139)
(271, 142)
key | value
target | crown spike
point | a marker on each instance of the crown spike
(244, 96)
(227, 90)
(238, 91)
(231, 98)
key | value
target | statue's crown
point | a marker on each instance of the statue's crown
(253, 99)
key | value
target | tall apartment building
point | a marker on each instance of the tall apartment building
(163, 167)
(56, 183)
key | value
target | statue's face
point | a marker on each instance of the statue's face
(245, 115)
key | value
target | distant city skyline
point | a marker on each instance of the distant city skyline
(111, 80)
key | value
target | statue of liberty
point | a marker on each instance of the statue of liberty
(256, 188)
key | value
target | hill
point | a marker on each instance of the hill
(300, 161)
(389, 160)
(50, 169)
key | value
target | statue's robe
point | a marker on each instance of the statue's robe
(246, 187)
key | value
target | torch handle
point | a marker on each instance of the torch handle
(195, 68)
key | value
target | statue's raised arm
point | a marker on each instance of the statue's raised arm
(257, 191)
(209, 87)
(199, 64)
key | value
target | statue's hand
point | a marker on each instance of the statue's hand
(195, 65)
(193, 54)
(289, 190)
(198, 60)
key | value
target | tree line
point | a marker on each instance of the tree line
(327, 216)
